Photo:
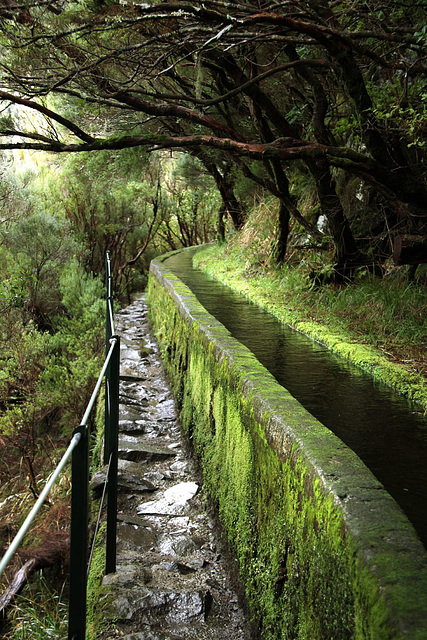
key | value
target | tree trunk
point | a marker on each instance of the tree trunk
(18, 583)
(346, 254)
(346, 251)
(221, 225)
(283, 233)
(224, 185)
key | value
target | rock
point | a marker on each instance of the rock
(129, 354)
(148, 635)
(180, 545)
(154, 476)
(159, 607)
(179, 465)
(129, 368)
(130, 476)
(145, 352)
(129, 413)
(129, 401)
(181, 492)
(131, 425)
(137, 451)
(166, 410)
(132, 378)
(132, 536)
(178, 567)
(125, 517)
(127, 576)
(173, 502)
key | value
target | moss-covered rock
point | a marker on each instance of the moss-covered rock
(324, 552)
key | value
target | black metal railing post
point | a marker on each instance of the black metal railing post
(113, 443)
(107, 416)
(79, 536)
(109, 331)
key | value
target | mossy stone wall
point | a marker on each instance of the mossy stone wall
(323, 550)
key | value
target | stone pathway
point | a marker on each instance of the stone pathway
(171, 582)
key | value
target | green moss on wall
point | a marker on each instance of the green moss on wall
(311, 570)
(94, 615)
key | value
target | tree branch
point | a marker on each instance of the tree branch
(71, 126)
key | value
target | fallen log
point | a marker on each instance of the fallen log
(410, 250)
(19, 581)
(54, 551)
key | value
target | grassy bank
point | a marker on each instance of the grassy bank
(378, 325)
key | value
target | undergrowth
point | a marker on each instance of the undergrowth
(39, 613)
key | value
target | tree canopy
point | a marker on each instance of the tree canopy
(264, 90)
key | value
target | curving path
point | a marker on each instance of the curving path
(172, 581)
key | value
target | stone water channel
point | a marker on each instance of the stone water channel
(173, 579)
(385, 430)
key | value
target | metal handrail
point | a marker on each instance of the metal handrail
(113, 342)
(78, 448)
(38, 505)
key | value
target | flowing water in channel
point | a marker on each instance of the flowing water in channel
(386, 431)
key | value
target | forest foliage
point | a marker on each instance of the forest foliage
(57, 220)
(294, 97)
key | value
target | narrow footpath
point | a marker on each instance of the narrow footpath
(171, 581)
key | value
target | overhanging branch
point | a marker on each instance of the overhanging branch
(71, 126)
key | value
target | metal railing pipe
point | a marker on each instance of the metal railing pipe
(99, 382)
(109, 320)
(38, 505)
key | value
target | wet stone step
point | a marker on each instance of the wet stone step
(160, 635)
(174, 501)
(129, 519)
(132, 368)
(147, 607)
(142, 426)
(152, 410)
(129, 401)
(130, 413)
(130, 476)
(135, 390)
(128, 353)
(137, 451)
(134, 536)
(132, 378)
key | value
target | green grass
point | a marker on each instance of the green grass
(39, 613)
(377, 324)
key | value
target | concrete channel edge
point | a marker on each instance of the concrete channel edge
(324, 550)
